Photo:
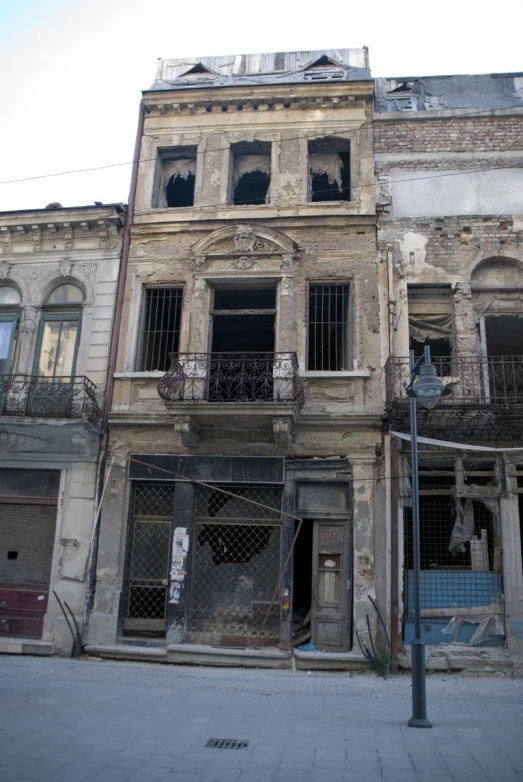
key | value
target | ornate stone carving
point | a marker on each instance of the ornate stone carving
(28, 325)
(246, 241)
(188, 431)
(244, 262)
(287, 262)
(37, 239)
(5, 269)
(6, 239)
(66, 267)
(87, 268)
(199, 263)
(281, 429)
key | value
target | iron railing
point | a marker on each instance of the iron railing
(475, 380)
(232, 377)
(43, 397)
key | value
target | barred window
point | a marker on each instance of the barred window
(328, 327)
(160, 328)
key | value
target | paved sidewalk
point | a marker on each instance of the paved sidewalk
(65, 721)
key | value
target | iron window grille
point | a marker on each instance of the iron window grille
(328, 328)
(160, 328)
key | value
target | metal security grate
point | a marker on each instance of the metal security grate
(148, 558)
(236, 563)
(160, 332)
(227, 744)
(328, 327)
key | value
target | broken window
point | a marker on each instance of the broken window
(430, 320)
(160, 328)
(460, 551)
(177, 177)
(251, 173)
(328, 328)
(9, 317)
(236, 564)
(329, 169)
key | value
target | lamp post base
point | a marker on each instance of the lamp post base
(414, 722)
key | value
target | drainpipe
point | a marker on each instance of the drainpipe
(109, 386)
(394, 479)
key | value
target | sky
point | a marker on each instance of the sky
(72, 71)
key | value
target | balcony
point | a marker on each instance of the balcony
(42, 397)
(210, 387)
(486, 401)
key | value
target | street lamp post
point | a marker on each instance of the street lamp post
(428, 389)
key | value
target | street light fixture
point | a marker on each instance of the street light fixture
(426, 387)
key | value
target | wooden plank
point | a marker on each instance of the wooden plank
(466, 611)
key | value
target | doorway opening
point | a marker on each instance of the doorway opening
(302, 584)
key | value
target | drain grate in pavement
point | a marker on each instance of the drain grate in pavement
(227, 744)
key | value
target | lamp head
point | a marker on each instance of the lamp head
(428, 388)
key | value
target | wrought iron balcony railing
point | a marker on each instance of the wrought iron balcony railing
(232, 377)
(42, 397)
(476, 381)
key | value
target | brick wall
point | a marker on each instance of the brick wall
(490, 134)
(455, 242)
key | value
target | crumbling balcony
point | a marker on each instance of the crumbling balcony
(210, 387)
(486, 401)
(41, 397)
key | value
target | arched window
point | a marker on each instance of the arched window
(59, 333)
(9, 318)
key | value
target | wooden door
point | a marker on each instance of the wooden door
(331, 582)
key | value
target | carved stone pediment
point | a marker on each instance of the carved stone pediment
(243, 246)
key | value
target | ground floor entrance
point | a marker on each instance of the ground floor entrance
(227, 563)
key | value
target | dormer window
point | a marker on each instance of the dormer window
(323, 69)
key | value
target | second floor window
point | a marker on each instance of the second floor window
(251, 173)
(328, 328)
(59, 333)
(9, 317)
(177, 177)
(160, 328)
(329, 169)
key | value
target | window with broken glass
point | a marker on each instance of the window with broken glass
(460, 547)
(176, 177)
(329, 169)
(328, 328)
(250, 173)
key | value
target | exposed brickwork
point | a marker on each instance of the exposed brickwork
(446, 164)
(454, 242)
(452, 135)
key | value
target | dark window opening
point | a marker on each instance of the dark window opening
(176, 177)
(430, 322)
(251, 173)
(180, 190)
(160, 333)
(329, 169)
(328, 327)
(302, 584)
(243, 320)
(437, 518)
(504, 335)
(12, 555)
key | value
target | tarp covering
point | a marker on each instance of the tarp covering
(430, 327)
(246, 164)
(463, 528)
(457, 446)
(328, 163)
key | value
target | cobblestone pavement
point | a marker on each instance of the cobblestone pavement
(90, 721)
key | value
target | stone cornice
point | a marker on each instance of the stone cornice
(357, 94)
(56, 230)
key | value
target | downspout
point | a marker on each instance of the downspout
(394, 477)
(109, 387)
